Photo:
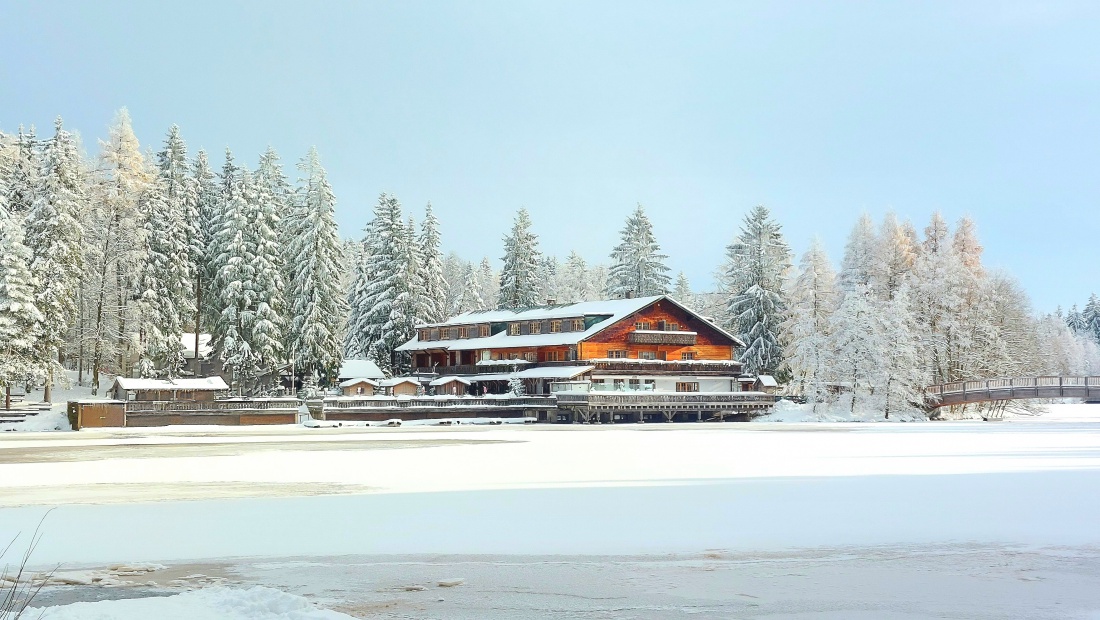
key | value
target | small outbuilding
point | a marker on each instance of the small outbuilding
(360, 369)
(399, 386)
(199, 389)
(766, 384)
(358, 387)
(450, 386)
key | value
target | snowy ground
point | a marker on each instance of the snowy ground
(776, 520)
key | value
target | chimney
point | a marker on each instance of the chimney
(551, 301)
(630, 294)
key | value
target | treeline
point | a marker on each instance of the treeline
(105, 263)
(108, 261)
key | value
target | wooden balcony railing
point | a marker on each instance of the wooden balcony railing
(157, 406)
(440, 402)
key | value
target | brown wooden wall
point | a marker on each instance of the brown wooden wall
(709, 343)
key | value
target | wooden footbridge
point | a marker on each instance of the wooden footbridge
(1017, 388)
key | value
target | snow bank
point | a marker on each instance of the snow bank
(55, 420)
(256, 603)
(787, 411)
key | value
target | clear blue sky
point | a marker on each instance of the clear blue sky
(579, 110)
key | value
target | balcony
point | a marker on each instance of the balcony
(695, 368)
(647, 336)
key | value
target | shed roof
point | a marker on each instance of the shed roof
(360, 369)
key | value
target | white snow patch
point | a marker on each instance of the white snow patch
(258, 603)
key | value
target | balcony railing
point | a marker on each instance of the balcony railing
(211, 406)
(441, 402)
(661, 337)
(612, 366)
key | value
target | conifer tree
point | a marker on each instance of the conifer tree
(55, 236)
(165, 286)
(1091, 316)
(519, 286)
(488, 284)
(637, 265)
(812, 298)
(470, 293)
(317, 303)
(434, 298)
(855, 348)
(208, 204)
(894, 257)
(860, 256)
(682, 291)
(20, 320)
(574, 280)
(22, 173)
(753, 276)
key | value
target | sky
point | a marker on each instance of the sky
(579, 111)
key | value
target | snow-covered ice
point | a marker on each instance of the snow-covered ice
(256, 603)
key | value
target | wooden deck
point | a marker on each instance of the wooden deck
(1016, 388)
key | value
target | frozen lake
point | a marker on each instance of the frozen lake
(848, 516)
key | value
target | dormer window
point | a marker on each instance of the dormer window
(513, 329)
(463, 333)
(536, 327)
(483, 331)
(578, 325)
(555, 327)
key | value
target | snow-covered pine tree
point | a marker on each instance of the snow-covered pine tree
(165, 286)
(812, 298)
(548, 278)
(488, 284)
(682, 291)
(902, 378)
(856, 347)
(208, 200)
(268, 325)
(753, 277)
(1091, 316)
(894, 256)
(519, 286)
(470, 292)
(20, 320)
(55, 237)
(860, 256)
(434, 298)
(317, 304)
(936, 286)
(1075, 320)
(273, 185)
(574, 280)
(637, 265)
(23, 171)
(356, 345)
(454, 276)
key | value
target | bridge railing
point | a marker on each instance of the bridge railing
(1004, 383)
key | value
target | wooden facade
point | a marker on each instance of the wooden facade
(617, 341)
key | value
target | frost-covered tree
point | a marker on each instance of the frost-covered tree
(1091, 316)
(812, 298)
(165, 286)
(937, 283)
(488, 282)
(20, 320)
(469, 297)
(682, 291)
(434, 299)
(519, 285)
(637, 265)
(753, 277)
(1075, 320)
(22, 172)
(315, 262)
(208, 203)
(248, 333)
(860, 256)
(115, 248)
(356, 344)
(894, 257)
(56, 236)
(385, 306)
(855, 346)
(575, 284)
(548, 278)
(902, 379)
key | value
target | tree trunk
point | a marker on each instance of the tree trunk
(7, 397)
(47, 392)
(198, 320)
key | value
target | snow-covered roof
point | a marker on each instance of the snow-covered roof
(200, 384)
(554, 372)
(351, 382)
(446, 380)
(187, 341)
(614, 309)
(397, 381)
(360, 369)
(767, 381)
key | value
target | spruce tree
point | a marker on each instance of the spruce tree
(22, 173)
(519, 286)
(165, 287)
(20, 320)
(316, 301)
(682, 292)
(434, 299)
(574, 280)
(812, 298)
(637, 265)
(860, 256)
(753, 276)
(1091, 316)
(55, 236)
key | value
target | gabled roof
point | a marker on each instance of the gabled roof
(360, 369)
(397, 381)
(614, 310)
(446, 380)
(209, 384)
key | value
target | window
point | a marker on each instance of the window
(445, 334)
(619, 383)
(672, 327)
(578, 325)
(643, 325)
(650, 384)
(463, 333)
(422, 334)
(635, 384)
(687, 355)
(483, 331)
(617, 354)
(536, 327)
(647, 355)
(531, 356)
(555, 327)
(513, 356)
(687, 386)
(553, 356)
(597, 381)
(513, 329)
